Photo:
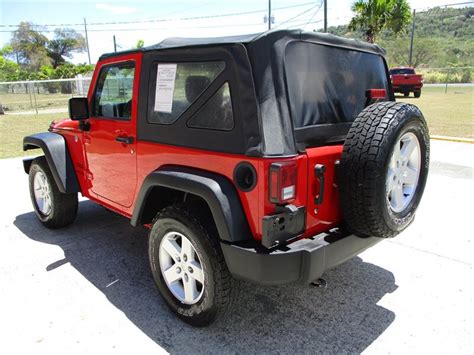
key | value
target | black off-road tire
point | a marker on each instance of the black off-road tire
(364, 168)
(417, 94)
(64, 206)
(406, 94)
(219, 286)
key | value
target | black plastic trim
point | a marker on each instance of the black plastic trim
(281, 227)
(321, 134)
(300, 262)
(218, 192)
(57, 155)
(27, 164)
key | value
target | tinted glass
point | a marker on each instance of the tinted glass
(328, 84)
(114, 91)
(177, 86)
(402, 71)
(216, 113)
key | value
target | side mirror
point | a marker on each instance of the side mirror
(78, 108)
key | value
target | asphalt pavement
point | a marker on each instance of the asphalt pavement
(88, 289)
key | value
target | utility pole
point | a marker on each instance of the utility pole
(411, 39)
(325, 15)
(115, 45)
(87, 41)
(269, 15)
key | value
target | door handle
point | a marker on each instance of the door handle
(124, 140)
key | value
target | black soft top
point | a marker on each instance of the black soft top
(265, 38)
(288, 86)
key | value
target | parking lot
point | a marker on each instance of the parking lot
(88, 289)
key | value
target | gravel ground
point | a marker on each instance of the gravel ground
(87, 288)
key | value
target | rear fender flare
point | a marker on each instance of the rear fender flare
(218, 192)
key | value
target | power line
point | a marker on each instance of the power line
(300, 14)
(165, 19)
(153, 29)
(298, 20)
(305, 23)
(315, 13)
(424, 9)
(293, 19)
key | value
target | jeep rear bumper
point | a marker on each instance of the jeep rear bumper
(300, 262)
(407, 87)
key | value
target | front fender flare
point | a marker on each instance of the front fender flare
(218, 192)
(57, 155)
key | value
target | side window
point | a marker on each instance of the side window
(216, 113)
(114, 91)
(178, 85)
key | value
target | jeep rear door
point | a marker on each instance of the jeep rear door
(110, 143)
(327, 88)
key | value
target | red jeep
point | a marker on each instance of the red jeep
(404, 80)
(269, 158)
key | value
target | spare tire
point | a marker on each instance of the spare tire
(383, 169)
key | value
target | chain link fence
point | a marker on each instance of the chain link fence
(41, 96)
(52, 96)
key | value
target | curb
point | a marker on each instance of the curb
(453, 139)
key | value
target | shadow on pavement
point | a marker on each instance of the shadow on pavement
(112, 255)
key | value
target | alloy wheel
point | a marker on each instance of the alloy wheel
(181, 268)
(403, 172)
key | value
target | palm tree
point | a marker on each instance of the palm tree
(372, 16)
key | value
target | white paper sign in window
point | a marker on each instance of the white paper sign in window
(165, 81)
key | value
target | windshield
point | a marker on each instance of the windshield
(402, 71)
(328, 85)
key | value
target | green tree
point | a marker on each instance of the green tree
(425, 50)
(8, 69)
(29, 46)
(6, 50)
(373, 16)
(140, 43)
(65, 42)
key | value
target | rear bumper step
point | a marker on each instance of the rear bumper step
(300, 262)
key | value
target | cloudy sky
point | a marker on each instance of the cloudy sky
(155, 20)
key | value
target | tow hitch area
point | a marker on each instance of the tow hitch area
(283, 226)
(320, 283)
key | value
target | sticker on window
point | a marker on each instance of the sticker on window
(165, 80)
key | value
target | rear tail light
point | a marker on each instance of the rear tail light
(282, 182)
(376, 94)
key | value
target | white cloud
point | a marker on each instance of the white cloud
(115, 9)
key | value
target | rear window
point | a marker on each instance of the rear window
(327, 84)
(402, 71)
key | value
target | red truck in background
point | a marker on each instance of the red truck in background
(405, 80)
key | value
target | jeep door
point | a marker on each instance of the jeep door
(110, 143)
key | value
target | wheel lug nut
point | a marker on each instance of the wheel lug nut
(178, 259)
(190, 269)
(185, 258)
(186, 277)
(178, 270)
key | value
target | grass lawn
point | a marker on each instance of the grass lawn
(450, 114)
(23, 102)
(14, 127)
